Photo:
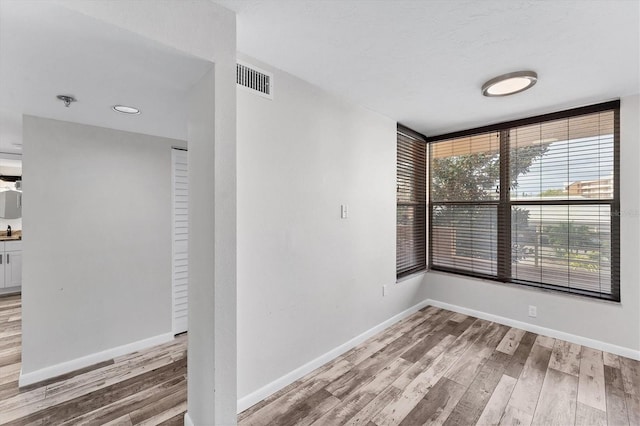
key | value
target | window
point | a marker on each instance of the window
(531, 202)
(411, 213)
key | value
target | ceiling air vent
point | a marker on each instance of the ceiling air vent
(254, 80)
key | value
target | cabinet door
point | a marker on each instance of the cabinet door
(3, 260)
(13, 269)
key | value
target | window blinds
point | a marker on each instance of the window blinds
(533, 202)
(411, 219)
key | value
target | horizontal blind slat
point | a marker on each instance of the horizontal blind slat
(562, 202)
(411, 184)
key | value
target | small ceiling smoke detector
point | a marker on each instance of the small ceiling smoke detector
(126, 109)
(67, 99)
(509, 84)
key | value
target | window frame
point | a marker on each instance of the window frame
(423, 267)
(505, 203)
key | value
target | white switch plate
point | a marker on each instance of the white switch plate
(384, 290)
(344, 211)
(533, 311)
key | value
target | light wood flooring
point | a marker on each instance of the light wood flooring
(440, 367)
(146, 387)
(434, 367)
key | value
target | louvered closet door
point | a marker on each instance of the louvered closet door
(180, 261)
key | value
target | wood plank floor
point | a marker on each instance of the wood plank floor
(435, 367)
(146, 387)
(440, 367)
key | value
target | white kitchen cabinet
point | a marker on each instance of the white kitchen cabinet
(10, 264)
(13, 269)
(10, 204)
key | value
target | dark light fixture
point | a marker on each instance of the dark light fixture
(67, 99)
(509, 84)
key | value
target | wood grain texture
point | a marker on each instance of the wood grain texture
(565, 357)
(437, 405)
(357, 400)
(633, 408)
(297, 396)
(470, 363)
(589, 416)
(630, 375)
(434, 367)
(527, 390)
(364, 416)
(515, 417)
(511, 340)
(471, 405)
(454, 370)
(617, 413)
(558, 397)
(630, 370)
(591, 389)
(308, 410)
(545, 341)
(520, 356)
(398, 409)
(611, 360)
(435, 354)
(146, 387)
(496, 405)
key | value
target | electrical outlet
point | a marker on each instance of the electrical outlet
(384, 290)
(533, 311)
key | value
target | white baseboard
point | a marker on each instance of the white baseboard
(260, 394)
(88, 360)
(573, 338)
(187, 420)
(10, 290)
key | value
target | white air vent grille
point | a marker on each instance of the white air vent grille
(254, 80)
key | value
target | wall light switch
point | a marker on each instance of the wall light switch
(384, 290)
(344, 211)
(533, 311)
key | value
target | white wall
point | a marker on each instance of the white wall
(97, 257)
(309, 281)
(613, 323)
(208, 31)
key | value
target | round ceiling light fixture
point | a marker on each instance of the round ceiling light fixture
(509, 84)
(126, 109)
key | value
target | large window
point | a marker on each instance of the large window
(533, 202)
(411, 213)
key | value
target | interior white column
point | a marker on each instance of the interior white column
(212, 249)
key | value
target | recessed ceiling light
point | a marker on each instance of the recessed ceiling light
(126, 109)
(508, 84)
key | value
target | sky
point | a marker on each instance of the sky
(587, 159)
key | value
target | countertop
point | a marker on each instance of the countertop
(15, 236)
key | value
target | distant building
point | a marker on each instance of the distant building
(600, 188)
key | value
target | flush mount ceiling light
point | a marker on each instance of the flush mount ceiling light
(508, 84)
(126, 109)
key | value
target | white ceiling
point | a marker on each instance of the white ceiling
(423, 62)
(47, 50)
(419, 62)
